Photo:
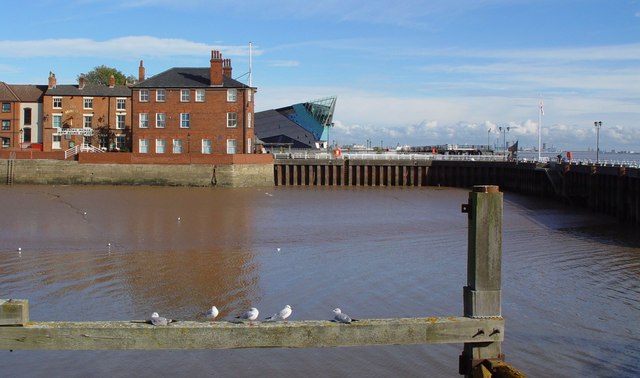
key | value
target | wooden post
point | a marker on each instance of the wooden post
(14, 312)
(482, 295)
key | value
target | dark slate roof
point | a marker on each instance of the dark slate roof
(90, 90)
(186, 77)
(6, 93)
(271, 126)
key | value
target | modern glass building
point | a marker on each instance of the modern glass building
(303, 125)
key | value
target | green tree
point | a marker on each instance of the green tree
(101, 75)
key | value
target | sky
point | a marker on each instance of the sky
(405, 72)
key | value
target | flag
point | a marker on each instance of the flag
(514, 147)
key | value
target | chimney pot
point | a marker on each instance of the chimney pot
(216, 69)
(141, 71)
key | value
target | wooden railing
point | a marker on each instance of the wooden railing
(481, 329)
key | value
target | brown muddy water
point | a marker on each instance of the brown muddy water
(571, 280)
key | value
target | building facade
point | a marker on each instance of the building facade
(200, 110)
(86, 114)
(21, 115)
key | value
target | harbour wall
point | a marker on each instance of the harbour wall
(612, 190)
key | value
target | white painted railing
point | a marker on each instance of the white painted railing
(81, 148)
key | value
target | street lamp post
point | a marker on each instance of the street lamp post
(504, 132)
(597, 125)
(488, 136)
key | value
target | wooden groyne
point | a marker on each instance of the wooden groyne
(611, 190)
(481, 329)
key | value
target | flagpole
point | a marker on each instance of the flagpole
(540, 113)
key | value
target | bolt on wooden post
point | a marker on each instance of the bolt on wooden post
(482, 295)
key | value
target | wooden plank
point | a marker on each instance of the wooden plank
(227, 335)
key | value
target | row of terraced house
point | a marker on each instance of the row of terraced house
(195, 111)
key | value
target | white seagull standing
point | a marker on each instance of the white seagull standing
(282, 315)
(212, 313)
(340, 317)
(158, 320)
(250, 315)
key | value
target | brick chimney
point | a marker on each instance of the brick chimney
(141, 71)
(52, 80)
(112, 81)
(215, 72)
(82, 81)
(226, 67)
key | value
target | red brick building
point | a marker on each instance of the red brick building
(20, 115)
(200, 110)
(86, 114)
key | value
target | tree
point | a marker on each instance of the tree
(101, 75)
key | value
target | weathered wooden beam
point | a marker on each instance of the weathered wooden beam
(227, 335)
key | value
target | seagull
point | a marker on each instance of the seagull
(158, 320)
(250, 315)
(282, 315)
(212, 313)
(341, 317)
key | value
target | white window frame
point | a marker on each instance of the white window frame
(57, 102)
(161, 95)
(249, 145)
(249, 95)
(185, 120)
(87, 120)
(185, 95)
(56, 142)
(161, 120)
(232, 146)
(57, 116)
(144, 95)
(87, 102)
(143, 146)
(121, 141)
(121, 104)
(143, 120)
(207, 146)
(200, 95)
(177, 146)
(160, 146)
(249, 120)
(232, 95)
(232, 120)
(121, 121)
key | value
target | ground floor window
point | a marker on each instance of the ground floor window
(206, 146)
(159, 146)
(144, 146)
(56, 142)
(6, 142)
(121, 142)
(177, 146)
(232, 144)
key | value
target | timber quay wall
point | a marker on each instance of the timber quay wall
(611, 190)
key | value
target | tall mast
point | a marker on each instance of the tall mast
(540, 114)
(250, 67)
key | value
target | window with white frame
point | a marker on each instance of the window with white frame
(177, 146)
(6, 124)
(121, 104)
(206, 146)
(160, 144)
(232, 119)
(143, 148)
(57, 102)
(232, 144)
(56, 120)
(161, 95)
(185, 95)
(121, 141)
(249, 95)
(199, 95)
(144, 95)
(160, 120)
(6, 107)
(143, 120)
(120, 121)
(88, 102)
(232, 95)
(249, 145)
(249, 119)
(185, 120)
(88, 121)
